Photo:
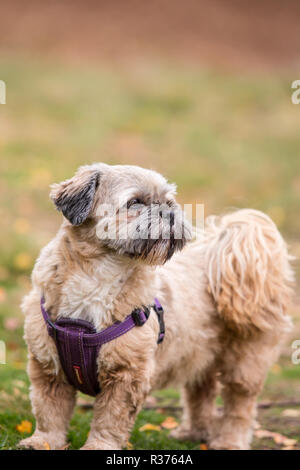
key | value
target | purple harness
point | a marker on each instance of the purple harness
(78, 343)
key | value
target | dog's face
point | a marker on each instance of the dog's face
(134, 210)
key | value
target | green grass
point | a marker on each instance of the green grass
(227, 140)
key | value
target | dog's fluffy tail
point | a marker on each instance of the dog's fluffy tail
(248, 269)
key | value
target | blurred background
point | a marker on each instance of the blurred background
(198, 90)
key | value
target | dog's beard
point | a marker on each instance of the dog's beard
(148, 236)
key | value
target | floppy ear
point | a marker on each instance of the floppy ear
(74, 197)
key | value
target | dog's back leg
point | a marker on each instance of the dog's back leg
(198, 408)
(243, 369)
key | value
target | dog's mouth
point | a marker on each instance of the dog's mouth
(156, 251)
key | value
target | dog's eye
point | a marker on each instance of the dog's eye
(134, 202)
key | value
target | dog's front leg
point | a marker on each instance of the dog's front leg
(114, 414)
(115, 410)
(52, 405)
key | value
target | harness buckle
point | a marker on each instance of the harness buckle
(140, 316)
(160, 316)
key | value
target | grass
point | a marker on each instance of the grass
(227, 140)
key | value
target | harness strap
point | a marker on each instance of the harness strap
(137, 318)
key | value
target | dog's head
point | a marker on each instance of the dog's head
(134, 210)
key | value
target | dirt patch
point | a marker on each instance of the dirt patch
(259, 34)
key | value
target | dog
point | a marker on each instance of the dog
(224, 294)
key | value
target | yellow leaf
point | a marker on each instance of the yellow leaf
(276, 369)
(24, 426)
(150, 427)
(169, 423)
(203, 447)
(129, 446)
(23, 261)
(47, 446)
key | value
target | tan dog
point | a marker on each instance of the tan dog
(224, 296)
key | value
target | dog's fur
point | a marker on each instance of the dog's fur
(224, 295)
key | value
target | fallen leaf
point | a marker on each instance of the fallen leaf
(276, 369)
(291, 413)
(47, 446)
(24, 426)
(203, 447)
(150, 427)
(169, 423)
(278, 438)
(283, 440)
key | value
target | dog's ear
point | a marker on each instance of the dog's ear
(74, 197)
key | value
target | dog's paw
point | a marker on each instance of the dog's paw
(97, 444)
(186, 434)
(34, 442)
(220, 443)
(40, 442)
